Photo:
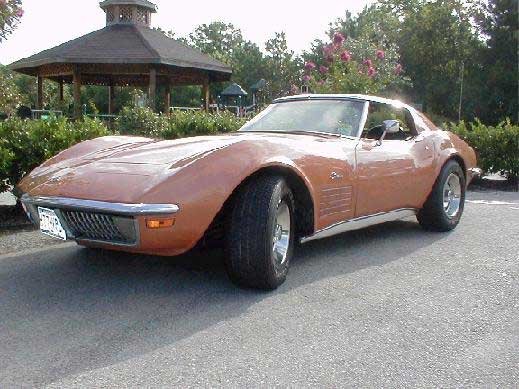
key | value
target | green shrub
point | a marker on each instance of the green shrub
(497, 147)
(194, 123)
(141, 122)
(144, 122)
(25, 144)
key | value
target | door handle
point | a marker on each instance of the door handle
(419, 138)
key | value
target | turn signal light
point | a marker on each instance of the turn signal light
(159, 223)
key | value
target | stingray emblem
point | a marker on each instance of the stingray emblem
(336, 176)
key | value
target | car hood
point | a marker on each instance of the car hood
(124, 169)
(159, 153)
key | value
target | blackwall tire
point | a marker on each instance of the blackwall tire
(260, 234)
(443, 209)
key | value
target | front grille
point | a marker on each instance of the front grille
(100, 227)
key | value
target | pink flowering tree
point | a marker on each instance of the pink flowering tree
(11, 12)
(353, 66)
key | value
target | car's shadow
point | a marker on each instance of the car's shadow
(69, 310)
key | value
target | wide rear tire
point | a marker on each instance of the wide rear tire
(260, 234)
(443, 209)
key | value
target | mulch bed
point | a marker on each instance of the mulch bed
(480, 184)
(13, 217)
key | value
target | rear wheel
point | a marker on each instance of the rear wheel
(444, 207)
(260, 234)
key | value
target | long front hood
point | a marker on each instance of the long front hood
(166, 152)
(122, 172)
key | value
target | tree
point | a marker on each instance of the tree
(349, 65)
(367, 36)
(438, 44)
(283, 66)
(11, 12)
(225, 42)
(10, 97)
(217, 39)
(499, 22)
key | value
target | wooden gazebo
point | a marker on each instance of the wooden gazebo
(127, 52)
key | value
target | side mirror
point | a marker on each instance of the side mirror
(389, 127)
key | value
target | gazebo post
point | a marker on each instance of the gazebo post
(61, 95)
(77, 92)
(153, 89)
(205, 94)
(111, 99)
(39, 97)
(167, 100)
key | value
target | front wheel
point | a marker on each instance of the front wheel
(443, 209)
(260, 234)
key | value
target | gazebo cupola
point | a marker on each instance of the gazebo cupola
(128, 12)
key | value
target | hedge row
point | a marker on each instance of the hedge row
(143, 122)
(497, 147)
(25, 144)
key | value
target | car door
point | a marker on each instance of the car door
(394, 172)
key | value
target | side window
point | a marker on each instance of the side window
(379, 112)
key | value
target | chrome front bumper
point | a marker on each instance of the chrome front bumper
(97, 221)
(100, 206)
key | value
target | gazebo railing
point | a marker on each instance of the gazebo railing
(172, 109)
(103, 117)
(44, 113)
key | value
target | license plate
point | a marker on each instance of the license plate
(50, 224)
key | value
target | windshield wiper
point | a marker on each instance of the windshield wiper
(323, 133)
(302, 132)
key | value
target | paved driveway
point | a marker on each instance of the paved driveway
(387, 306)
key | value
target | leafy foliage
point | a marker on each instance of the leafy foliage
(11, 12)
(350, 65)
(25, 144)
(284, 67)
(497, 146)
(439, 48)
(144, 122)
(188, 123)
(10, 96)
(279, 65)
(141, 121)
(498, 72)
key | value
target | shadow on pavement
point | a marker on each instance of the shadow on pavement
(70, 310)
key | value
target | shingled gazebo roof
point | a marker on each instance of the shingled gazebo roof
(141, 3)
(125, 44)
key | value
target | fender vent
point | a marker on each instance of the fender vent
(335, 200)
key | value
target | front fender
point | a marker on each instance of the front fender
(201, 189)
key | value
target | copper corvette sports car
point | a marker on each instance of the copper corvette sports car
(306, 168)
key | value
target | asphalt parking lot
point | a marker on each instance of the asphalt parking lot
(391, 305)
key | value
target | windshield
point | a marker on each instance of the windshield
(341, 117)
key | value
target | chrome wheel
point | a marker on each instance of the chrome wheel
(281, 234)
(452, 195)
